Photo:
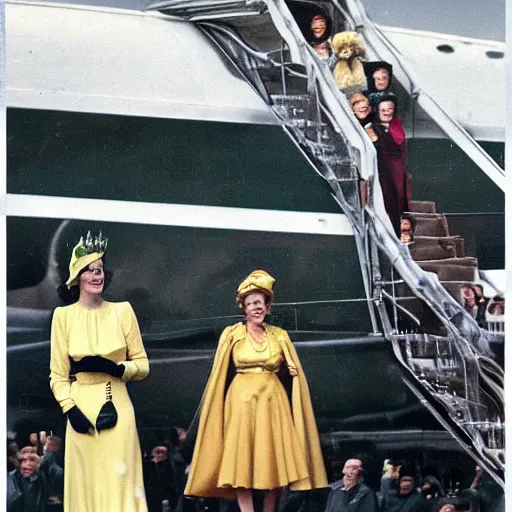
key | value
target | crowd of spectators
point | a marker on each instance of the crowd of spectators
(35, 484)
(404, 488)
(35, 474)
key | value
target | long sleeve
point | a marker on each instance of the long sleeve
(59, 363)
(136, 364)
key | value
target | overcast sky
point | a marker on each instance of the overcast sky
(472, 18)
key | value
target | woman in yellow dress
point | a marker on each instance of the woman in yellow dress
(98, 342)
(252, 437)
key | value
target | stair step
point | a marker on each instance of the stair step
(433, 247)
(430, 224)
(467, 261)
(422, 206)
(452, 269)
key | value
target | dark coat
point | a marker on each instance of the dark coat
(359, 498)
(54, 474)
(412, 502)
(23, 491)
(159, 483)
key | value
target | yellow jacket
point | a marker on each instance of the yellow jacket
(209, 447)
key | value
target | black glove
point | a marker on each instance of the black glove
(98, 364)
(79, 422)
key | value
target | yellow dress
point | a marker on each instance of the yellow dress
(103, 472)
(250, 437)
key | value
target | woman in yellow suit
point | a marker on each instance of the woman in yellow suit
(249, 437)
(98, 342)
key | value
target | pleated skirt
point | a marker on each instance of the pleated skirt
(261, 446)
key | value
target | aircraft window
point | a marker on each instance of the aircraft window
(445, 48)
(495, 55)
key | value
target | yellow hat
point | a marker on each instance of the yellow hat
(256, 281)
(84, 253)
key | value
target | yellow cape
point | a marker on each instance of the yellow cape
(209, 446)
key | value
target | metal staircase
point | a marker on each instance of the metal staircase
(444, 353)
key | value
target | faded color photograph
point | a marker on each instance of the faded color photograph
(255, 256)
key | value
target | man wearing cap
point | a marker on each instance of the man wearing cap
(27, 487)
(407, 498)
(351, 494)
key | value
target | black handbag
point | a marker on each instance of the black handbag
(107, 418)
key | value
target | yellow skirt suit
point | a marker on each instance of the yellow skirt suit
(103, 471)
(250, 437)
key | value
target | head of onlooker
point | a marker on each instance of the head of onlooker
(159, 454)
(447, 507)
(320, 28)
(479, 291)
(381, 79)
(386, 109)
(468, 297)
(360, 105)
(323, 50)
(28, 461)
(407, 476)
(431, 488)
(12, 454)
(352, 472)
(52, 444)
(496, 305)
(407, 224)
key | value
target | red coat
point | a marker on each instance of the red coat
(393, 176)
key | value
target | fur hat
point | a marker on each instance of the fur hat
(348, 40)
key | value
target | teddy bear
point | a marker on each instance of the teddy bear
(348, 70)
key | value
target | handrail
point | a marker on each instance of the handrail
(451, 127)
(371, 224)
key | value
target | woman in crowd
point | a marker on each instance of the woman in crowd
(247, 437)
(364, 113)
(391, 159)
(380, 78)
(98, 342)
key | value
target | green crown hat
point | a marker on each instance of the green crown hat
(84, 253)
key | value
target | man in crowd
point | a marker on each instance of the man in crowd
(408, 498)
(159, 480)
(27, 486)
(351, 494)
(390, 478)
